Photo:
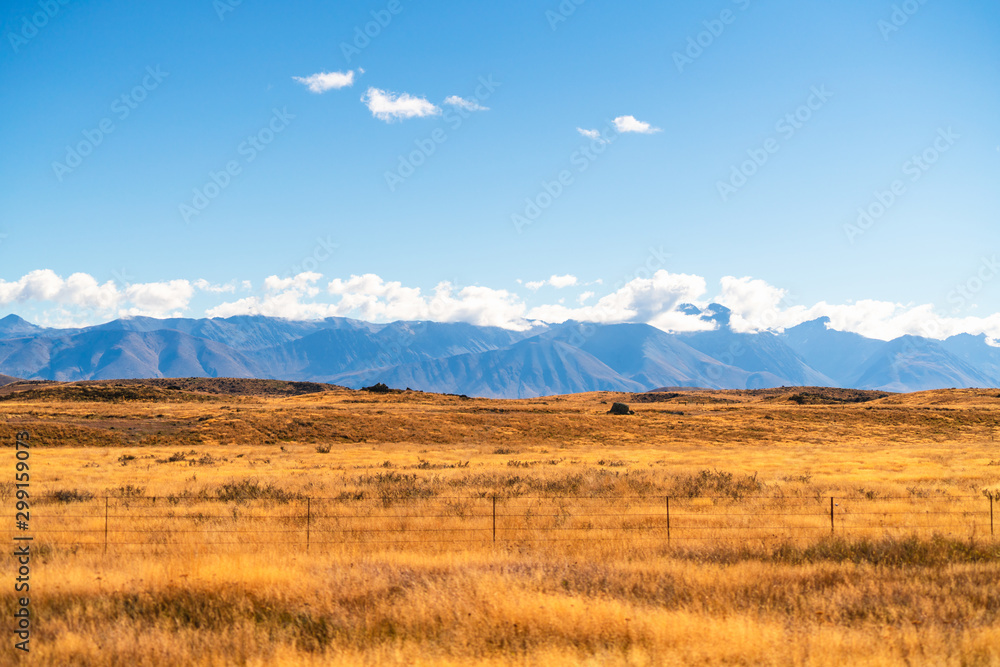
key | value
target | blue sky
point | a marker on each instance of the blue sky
(827, 106)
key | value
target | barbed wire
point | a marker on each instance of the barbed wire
(675, 519)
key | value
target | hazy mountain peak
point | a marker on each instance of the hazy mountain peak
(717, 313)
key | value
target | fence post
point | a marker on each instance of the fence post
(105, 524)
(992, 534)
(668, 518)
(831, 515)
(308, 517)
(494, 517)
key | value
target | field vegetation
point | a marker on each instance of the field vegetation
(259, 522)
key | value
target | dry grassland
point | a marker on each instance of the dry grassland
(207, 485)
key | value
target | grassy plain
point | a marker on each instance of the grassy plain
(915, 581)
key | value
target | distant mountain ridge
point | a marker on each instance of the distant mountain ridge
(463, 358)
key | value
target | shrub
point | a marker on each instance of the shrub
(718, 483)
(72, 496)
(129, 491)
(251, 489)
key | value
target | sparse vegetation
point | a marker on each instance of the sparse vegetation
(252, 489)
(258, 597)
(71, 496)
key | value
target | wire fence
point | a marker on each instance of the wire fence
(311, 523)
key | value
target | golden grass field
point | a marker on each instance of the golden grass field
(402, 568)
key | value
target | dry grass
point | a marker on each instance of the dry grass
(883, 593)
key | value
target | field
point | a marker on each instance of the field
(188, 522)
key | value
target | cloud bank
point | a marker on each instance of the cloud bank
(669, 301)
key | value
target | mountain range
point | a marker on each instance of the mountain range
(463, 358)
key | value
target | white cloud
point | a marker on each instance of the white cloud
(164, 299)
(84, 291)
(304, 282)
(755, 304)
(558, 282)
(388, 106)
(646, 300)
(885, 320)
(630, 124)
(468, 105)
(590, 134)
(369, 297)
(287, 305)
(81, 298)
(758, 306)
(478, 305)
(324, 81)
(206, 286)
(79, 290)
(283, 297)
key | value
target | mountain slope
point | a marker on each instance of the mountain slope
(767, 359)
(329, 353)
(13, 326)
(911, 363)
(244, 333)
(98, 355)
(837, 354)
(490, 361)
(649, 356)
(976, 352)
(533, 367)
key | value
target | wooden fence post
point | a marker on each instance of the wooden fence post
(668, 519)
(831, 515)
(992, 534)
